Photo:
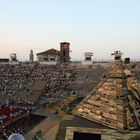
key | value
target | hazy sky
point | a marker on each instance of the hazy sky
(100, 26)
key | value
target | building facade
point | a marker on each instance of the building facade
(53, 55)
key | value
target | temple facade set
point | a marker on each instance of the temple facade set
(54, 56)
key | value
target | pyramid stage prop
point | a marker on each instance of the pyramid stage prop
(115, 102)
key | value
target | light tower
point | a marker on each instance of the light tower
(88, 56)
(118, 55)
(13, 57)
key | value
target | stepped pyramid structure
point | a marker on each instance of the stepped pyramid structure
(115, 102)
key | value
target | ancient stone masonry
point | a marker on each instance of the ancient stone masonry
(116, 101)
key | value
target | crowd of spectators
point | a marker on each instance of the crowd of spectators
(57, 77)
(13, 78)
(21, 126)
(16, 81)
(10, 114)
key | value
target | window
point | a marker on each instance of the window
(86, 136)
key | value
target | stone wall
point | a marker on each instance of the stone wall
(106, 134)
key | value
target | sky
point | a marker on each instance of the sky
(98, 26)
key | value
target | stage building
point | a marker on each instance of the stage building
(53, 56)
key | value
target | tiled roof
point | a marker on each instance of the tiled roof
(115, 102)
(50, 51)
